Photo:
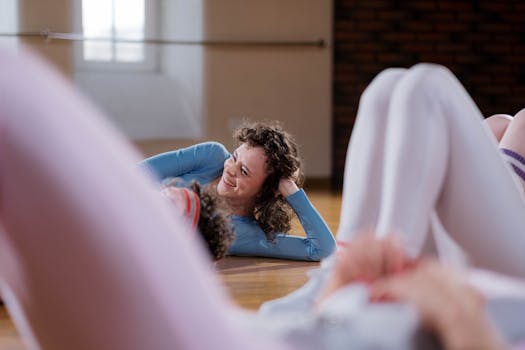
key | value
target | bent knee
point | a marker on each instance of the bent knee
(514, 137)
(426, 82)
(381, 87)
(517, 124)
(519, 118)
(428, 75)
(498, 124)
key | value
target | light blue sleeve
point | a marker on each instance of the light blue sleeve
(318, 244)
(202, 162)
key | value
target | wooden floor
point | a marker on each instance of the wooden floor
(250, 281)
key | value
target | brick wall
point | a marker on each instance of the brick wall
(482, 42)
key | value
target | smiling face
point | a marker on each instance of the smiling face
(244, 174)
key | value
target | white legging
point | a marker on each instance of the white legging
(90, 257)
(418, 151)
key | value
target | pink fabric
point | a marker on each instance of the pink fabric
(92, 257)
(519, 346)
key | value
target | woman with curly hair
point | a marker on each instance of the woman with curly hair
(206, 213)
(259, 183)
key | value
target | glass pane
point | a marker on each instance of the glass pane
(96, 23)
(96, 18)
(129, 52)
(98, 51)
(129, 19)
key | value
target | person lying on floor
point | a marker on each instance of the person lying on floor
(259, 182)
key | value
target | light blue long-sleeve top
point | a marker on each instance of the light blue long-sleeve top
(204, 163)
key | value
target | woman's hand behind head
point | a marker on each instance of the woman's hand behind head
(287, 187)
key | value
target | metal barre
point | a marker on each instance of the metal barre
(49, 35)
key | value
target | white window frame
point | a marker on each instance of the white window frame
(148, 64)
(9, 24)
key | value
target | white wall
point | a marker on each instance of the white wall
(144, 106)
(161, 102)
(182, 20)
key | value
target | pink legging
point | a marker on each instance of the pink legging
(90, 256)
(419, 152)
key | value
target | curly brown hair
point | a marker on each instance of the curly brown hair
(271, 210)
(214, 222)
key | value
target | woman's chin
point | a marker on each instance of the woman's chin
(221, 189)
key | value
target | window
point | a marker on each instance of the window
(113, 19)
(107, 25)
